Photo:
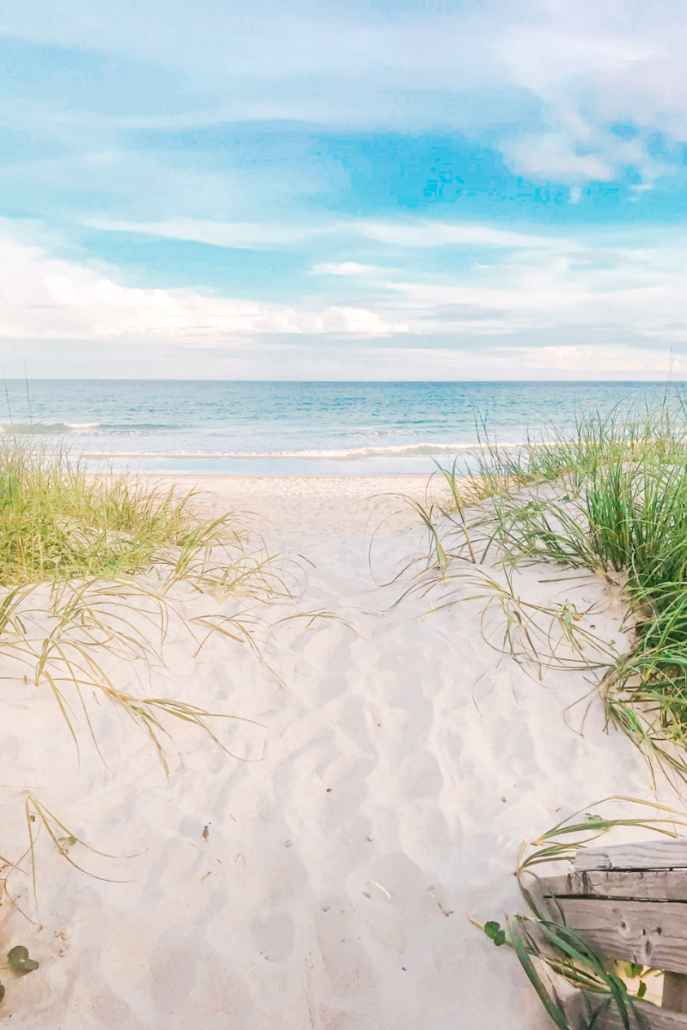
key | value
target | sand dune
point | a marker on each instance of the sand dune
(328, 883)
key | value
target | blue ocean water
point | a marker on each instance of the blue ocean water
(294, 428)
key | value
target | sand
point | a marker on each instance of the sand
(327, 882)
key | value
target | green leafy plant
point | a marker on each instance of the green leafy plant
(495, 933)
(20, 963)
(18, 958)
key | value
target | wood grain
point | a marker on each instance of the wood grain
(653, 854)
(652, 1018)
(652, 933)
(648, 884)
(675, 992)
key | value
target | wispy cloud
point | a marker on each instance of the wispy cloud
(435, 233)
(415, 233)
(46, 298)
(566, 73)
(623, 299)
(466, 185)
(251, 235)
(346, 268)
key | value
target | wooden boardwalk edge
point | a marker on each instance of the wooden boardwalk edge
(650, 1017)
(637, 885)
(653, 854)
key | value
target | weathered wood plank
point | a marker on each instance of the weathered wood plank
(651, 854)
(650, 1017)
(675, 992)
(648, 884)
(653, 933)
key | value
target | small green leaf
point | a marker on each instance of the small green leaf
(2, 992)
(19, 960)
(642, 989)
(632, 970)
(495, 933)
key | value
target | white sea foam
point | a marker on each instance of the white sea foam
(340, 454)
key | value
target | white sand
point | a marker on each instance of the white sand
(403, 765)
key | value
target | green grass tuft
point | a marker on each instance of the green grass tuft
(88, 570)
(610, 497)
(57, 523)
(93, 571)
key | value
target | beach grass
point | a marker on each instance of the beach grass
(609, 497)
(93, 567)
(94, 571)
(58, 523)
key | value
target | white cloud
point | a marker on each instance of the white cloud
(415, 233)
(563, 71)
(435, 233)
(624, 301)
(345, 268)
(42, 297)
(592, 66)
(241, 235)
(553, 156)
(589, 306)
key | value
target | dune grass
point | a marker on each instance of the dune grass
(93, 572)
(57, 523)
(610, 497)
(607, 499)
(94, 567)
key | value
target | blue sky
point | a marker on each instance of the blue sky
(344, 190)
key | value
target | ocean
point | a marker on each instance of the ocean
(361, 428)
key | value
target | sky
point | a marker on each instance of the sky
(343, 189)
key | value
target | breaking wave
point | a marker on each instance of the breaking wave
(341, 454)
(71, 428)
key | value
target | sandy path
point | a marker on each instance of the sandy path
(329, 884)
(337, 505)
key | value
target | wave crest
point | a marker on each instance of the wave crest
(72, 428)
(340, 454)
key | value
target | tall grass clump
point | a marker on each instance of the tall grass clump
(96, 572)
(92, 570)
(610, 497)
(57, 524)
